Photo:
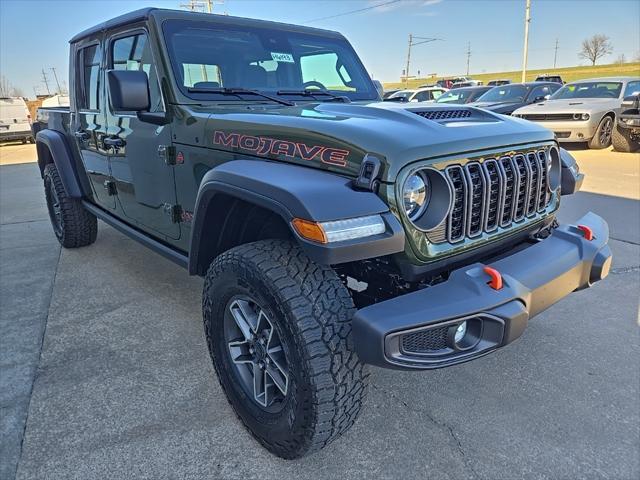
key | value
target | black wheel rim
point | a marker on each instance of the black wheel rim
(605, 131)
(55, 209)
(256, 353)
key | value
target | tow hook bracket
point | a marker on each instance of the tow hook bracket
(496, 277)
(586, 232)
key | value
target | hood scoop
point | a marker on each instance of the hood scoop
(446, 115)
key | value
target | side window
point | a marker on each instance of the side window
(436, 94)
(421, 96)
(633, 88)
(539, 92)
(321, 68)
(134, 53)
(88, 96)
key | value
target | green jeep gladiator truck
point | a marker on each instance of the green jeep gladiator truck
(333, 231)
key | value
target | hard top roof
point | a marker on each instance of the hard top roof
(145, 13)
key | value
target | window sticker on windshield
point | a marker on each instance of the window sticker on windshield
(282, 57)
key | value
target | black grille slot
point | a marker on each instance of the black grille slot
(495, 192)
(534, 184)
(521, 186)
(443, 114)
(507, 208)
(477, 188)
(543, 193)
(458, 214)
(425, 341)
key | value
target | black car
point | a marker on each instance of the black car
(463, 95)
(505, 99)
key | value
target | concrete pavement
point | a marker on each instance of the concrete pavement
(124, 387)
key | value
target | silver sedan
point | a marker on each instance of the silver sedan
(583, 111)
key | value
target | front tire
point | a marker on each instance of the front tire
(602, 137)
(72, 224)
(271, 290)
(622, 141)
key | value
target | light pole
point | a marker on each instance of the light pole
(413, 44)
(527, 20)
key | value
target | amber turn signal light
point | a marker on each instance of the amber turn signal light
(309, 230)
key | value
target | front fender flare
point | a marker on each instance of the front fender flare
(292, 191)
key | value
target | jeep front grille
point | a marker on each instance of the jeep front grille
(495, 193)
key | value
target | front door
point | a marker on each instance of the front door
(143, 180)
(88, 120)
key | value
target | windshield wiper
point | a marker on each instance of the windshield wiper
(313, 93)
(238, 92)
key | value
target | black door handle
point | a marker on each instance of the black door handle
(82, 136)
(116, 142)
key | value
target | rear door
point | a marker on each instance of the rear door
(144, 181)
(88, 121)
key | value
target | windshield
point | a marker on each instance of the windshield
(455, 96)
(505, 93)
(206, 55)
(589, 90)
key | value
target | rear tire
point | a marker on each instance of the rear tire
(72, 224)
(310, 310)
(622, 141)
(602, 137)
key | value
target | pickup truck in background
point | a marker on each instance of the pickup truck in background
(333, 230)
(15, 120)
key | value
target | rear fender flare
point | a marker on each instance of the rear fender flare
(52, 146)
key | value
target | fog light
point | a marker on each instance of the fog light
(460, 332)
(465, 335)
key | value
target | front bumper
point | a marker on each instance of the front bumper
(7, 135)
(572, 131)
(533, 279)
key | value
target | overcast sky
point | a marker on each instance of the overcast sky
(34, 33)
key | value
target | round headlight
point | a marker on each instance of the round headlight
(414, 195)
(585, 116)
(576, 116)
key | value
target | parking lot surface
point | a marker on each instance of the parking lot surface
(105, 372)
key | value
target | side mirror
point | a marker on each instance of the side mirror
(631, 100)
(547, 96)
(379, 88)
(128, 90)
(540, 98)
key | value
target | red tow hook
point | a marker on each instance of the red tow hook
(496, 277)
(586, 232)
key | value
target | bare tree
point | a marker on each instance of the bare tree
(595, 47)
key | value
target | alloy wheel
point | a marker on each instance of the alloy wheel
(605, 132)
(257, 353)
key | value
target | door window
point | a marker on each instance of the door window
(540, 92)
(134, 53)
(88, 96)
(633, 88)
